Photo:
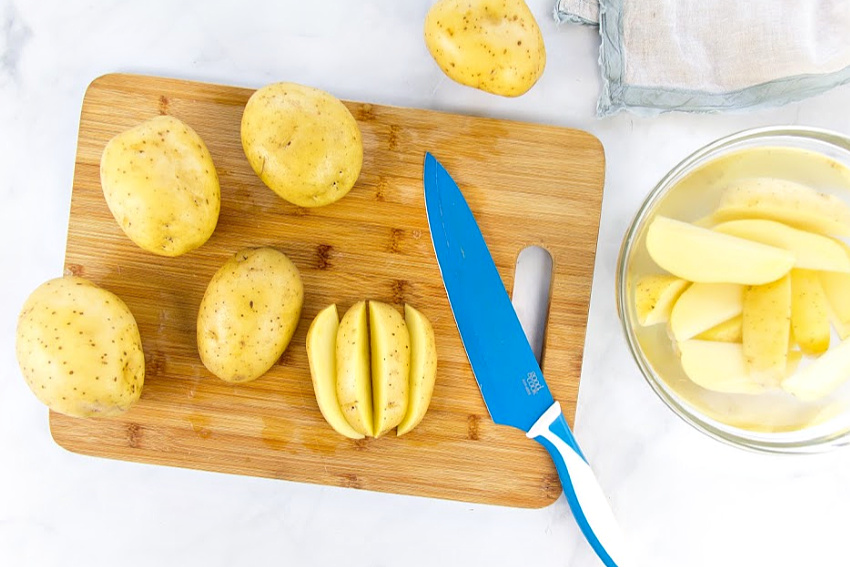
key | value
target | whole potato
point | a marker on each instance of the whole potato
(249, 313)
(79, 349)
(160, 183)
(302, 142)
(492, 45)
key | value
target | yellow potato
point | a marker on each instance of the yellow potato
(321, 355)
(655, 295)
(766, 329)
(729, 331)
(354, 382)
(836, 287)
(492, 45)
(248, 314)
(302, 142)
(161, 186)
(702, 255)
(809, 312)
(813, 251)
(784, 201)
(390, 366)
(423, 368)
(79, 349)
(703, 306)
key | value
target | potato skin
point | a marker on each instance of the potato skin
(302, 142)
(248, 314)
(161, 186)
(79, 349)
(492, 45)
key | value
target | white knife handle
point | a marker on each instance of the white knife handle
(588, 503)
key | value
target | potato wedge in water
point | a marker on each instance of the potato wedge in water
(836, 288)
(354, 379)
(809, 312)
(423, 368)
(812, 251)
(79, 349)
(722, 367)
(787, 202)
(321, 356)
(703, 306)
(655, 296)
(390, 366)
(766, 329)
(492, 45)
(729, 331)
(248, 314)
(161, 186)
(823, 376)
(702, 255)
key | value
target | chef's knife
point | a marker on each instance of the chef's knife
(503, 362)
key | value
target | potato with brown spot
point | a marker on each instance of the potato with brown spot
(492, 45)
(79, 349)
(302, 142)
(161, 186)
(249, 313)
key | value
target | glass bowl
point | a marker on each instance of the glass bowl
(773, 421)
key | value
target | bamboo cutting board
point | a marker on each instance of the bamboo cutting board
(527, 184)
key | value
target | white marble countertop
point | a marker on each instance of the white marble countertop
(682, 498)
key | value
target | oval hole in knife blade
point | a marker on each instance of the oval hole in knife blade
(531, 295)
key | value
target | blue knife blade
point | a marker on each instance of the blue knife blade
(510, 380)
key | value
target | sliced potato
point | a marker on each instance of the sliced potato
(836, 288)
(423, 368)
(703, 306)
(702, 255)
(718, 366)
(492, 45)
(321, 355)
(766, 329)
(390, 366)
(784, 201)
(809, 312)
(823, 376)
(813, 251)
(655, 296)
(729, 331)
(354, 384)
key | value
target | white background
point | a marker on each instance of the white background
(682, 499)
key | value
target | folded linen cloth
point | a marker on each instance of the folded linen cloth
(714, 55)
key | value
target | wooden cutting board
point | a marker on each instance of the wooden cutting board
(527, 184)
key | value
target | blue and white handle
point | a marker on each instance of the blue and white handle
(588, 503)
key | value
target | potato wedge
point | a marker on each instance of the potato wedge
(321, 356)
(722, 367)
(787, 202)
(766, 329)
(492, 45)
(703, 306)
(390, 366)
(809, 312)
(823, 376)
(423, 368)
(836, 288)
(354, 383)
(655, 296)
(702, 255)
(812, 251)
(729, 331)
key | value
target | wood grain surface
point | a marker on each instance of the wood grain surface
(527, 184)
